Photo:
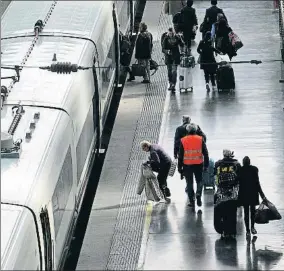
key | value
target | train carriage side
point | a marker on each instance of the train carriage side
(42, 178)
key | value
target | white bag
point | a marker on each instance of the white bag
(173, 168)
(141, 182)
(153, 191)
(185, 79)
(221, 58)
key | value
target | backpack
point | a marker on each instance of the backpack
(144, 41)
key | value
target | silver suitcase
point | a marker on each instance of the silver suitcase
(185, 73)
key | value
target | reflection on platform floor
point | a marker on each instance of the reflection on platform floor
(250, 122)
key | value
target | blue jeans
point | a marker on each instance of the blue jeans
(197, 171)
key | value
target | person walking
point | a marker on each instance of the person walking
(207, 60)
(223, 43)
(182, 132)
(249, 192)
(160, 162)
(125, 56)
(192, 160)
(189, 23)
(143, 50)
(170, 47)
(211, 17)
(226, 196)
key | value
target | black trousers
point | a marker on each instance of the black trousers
(250, 208)
(208, 75)
(172, 73)
(197, 171)
(163, 175)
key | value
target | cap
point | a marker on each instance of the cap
(228, 153)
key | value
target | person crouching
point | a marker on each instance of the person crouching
(160, 162)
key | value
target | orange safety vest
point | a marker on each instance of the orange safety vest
(192, 145)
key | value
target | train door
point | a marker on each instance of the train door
(48, 242)
(116, 44)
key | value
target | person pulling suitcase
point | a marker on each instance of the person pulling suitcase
(170, 47)
(207, 60)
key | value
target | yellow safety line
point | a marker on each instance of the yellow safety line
(145, 237)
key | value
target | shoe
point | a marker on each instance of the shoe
(145, 82)
(167, 192)
(253, 231)
(131, 78)
(207, 87)
(199, 202)
(191, 203)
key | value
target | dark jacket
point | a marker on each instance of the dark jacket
(250, 188)
(144, 45)
(211, 17)
(180, 133)
(158, 157)
(204, 152)
(222, 39)
(226, 176)
(206, 51)
(188, 19)
(172, 44)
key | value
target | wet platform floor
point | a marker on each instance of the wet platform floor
(249, 121)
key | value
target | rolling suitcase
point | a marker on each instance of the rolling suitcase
(225, 78)
(208, 176)
(225, 74)
(185, 73)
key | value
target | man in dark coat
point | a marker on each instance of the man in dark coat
(211, 16)
(250, 190)
(170, 47)
(188, 22)
(160, 162)
(181, 132)
(143, 50)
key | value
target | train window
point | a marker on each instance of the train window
(107, 73)
(48, 251)
(62, 191)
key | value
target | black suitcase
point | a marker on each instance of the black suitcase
(225, 78)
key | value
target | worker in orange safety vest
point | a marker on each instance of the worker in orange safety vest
(193, 158)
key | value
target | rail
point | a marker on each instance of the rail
(280, 5)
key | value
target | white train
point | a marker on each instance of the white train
(50, 123)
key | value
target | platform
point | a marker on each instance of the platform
(124, 231)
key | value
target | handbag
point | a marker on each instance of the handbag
(153, 66)
(173, 168)
(235, 40)
(138, 70)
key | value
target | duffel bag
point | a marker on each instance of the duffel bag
(235, 41)
(138, 70)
